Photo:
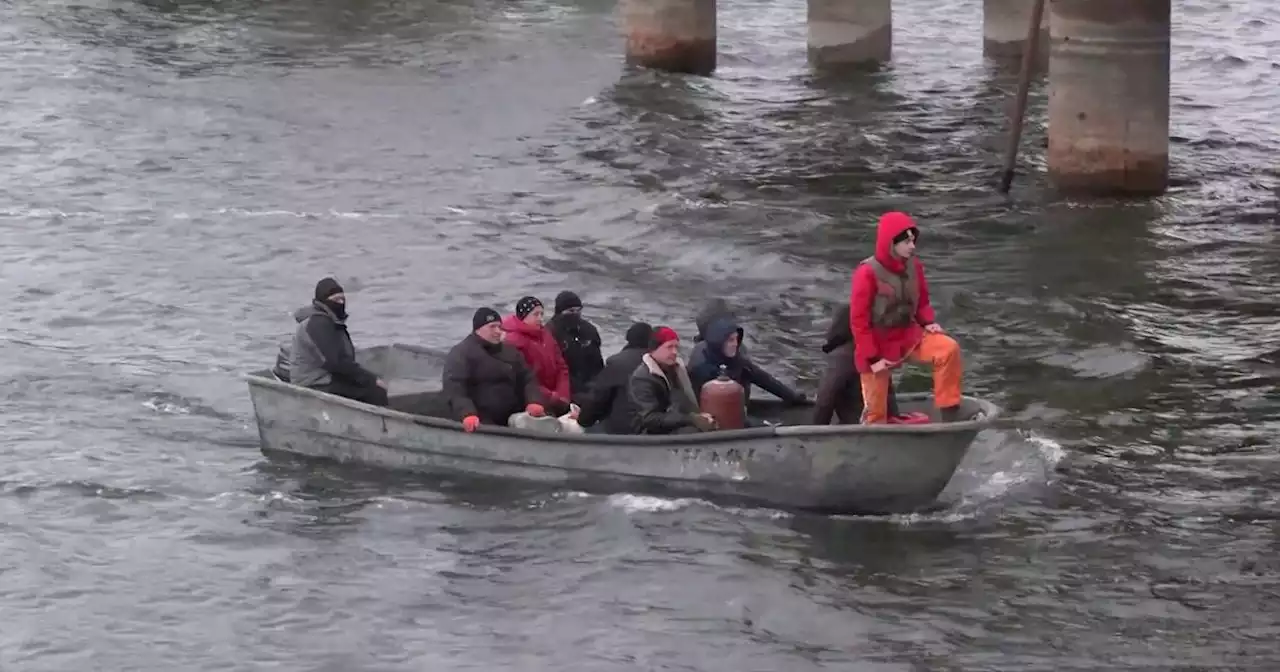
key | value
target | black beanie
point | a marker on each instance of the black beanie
(327, 288)
(526, 305)
(566, 300)
(638, 335)
(484, 316)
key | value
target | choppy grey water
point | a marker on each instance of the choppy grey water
(178, 174)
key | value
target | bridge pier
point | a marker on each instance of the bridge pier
(672, 35)
(1109, 96)
(1004, 30)
(849, 32)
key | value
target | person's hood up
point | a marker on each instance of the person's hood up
(718, 332)
(715, 308)
(316, 308)
(892, 224)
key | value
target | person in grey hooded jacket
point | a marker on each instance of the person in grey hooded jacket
(283, 364)
(323, 357)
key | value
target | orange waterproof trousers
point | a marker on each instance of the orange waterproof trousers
(938, 350)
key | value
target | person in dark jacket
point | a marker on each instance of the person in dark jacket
(722, 346)
(323, 357)
(579, 343)
(659, 392)
(840, 389)
(607, 404)
(486, 380)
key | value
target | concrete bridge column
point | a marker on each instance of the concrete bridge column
(672, 35)
(850, 32)
(1109, 96)
(1004, 30)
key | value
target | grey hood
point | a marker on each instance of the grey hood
(315, 308)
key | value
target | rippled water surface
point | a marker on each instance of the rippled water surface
(177, 175)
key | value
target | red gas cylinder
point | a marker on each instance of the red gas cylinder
(724, 399)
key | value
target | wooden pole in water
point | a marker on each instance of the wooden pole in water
(1029, 49)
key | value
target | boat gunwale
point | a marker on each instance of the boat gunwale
(990, 412)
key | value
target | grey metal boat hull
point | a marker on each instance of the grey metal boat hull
(832, 469)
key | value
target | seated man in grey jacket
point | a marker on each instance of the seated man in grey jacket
(323, 357)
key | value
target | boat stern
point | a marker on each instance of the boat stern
(867, 473)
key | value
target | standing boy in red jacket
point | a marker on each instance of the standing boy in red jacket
(892, 321)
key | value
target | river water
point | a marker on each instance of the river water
(179, 174)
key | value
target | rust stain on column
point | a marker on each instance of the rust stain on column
(672, 35)
(1109, 96)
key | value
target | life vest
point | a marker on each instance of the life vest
(897, 295)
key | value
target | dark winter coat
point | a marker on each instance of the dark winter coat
(580, 346)
(607, 402)
(322, 352)
(840, 389)
(486, 380)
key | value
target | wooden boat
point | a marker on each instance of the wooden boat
(847, 469)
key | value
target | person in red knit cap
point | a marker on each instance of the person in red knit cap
(893, 321)
(659, 392)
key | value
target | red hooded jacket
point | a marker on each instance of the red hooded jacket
(893, 344)
(542, 353)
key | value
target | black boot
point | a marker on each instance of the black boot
(949, 414)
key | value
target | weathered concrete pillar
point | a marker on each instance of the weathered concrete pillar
(1004, 30)
(1109, 96)
(673, 35)
(850, 32)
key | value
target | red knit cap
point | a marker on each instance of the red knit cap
(662, 335)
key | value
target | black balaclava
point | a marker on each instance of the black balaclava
(564, 301)
(327, 288)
